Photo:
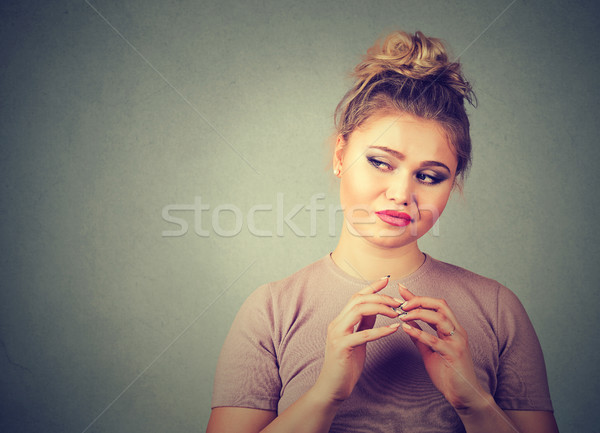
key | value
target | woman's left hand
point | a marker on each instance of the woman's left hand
(447, 356)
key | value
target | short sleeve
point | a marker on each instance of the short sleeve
(247, 373)
(522, 380)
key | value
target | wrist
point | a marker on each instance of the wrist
(485, 416)
(480, 405)
(313, 412)
(322, 398)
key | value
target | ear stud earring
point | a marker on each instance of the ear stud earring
(336, 171)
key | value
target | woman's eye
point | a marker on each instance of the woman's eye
(379, 164)
(428, 178)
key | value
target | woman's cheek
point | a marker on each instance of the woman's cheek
(355, 191)
(431, 208)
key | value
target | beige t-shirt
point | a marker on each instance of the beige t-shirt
(274, 350)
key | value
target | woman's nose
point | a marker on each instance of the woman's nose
(400, 190)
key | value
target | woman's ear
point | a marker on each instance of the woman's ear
(338, 155)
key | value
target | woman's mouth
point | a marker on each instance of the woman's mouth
(395, 218)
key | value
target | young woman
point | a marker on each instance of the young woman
(425, 346)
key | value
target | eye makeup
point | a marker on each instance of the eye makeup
(377, 163)
(434, 178)
(398, 155)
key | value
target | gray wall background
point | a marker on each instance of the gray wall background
(112, 110)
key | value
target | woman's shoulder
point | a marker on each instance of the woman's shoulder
(313, 271)
(448, 274)
(312, 275)
(439, 269)
(474, 296)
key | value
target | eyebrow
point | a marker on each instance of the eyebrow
(401, 156)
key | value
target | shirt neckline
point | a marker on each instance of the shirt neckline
(420, 271)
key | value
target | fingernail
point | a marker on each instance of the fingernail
(407, 326)
(394, 325)
(403, 304)
(399, 300)
(385, 278)
(400, 311)
(403, 286)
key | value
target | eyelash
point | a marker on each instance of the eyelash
(434, 179)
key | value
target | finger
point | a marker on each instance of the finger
(371, 292)
(411, 329)
(367, 335)
(379, 298)
(375, 298)
(405, 293)
(348, 321)
(426, 343)
(374, 287)
(439, 305)
(436, 319)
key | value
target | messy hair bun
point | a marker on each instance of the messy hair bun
(411, 74)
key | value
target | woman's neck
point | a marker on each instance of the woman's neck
(365, 260)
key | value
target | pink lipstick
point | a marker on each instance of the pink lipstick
(395, 218)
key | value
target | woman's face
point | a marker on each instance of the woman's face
(397, 172)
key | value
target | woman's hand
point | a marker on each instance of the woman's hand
(447, 356)
(347, 336)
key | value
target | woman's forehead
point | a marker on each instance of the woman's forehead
(404, 134)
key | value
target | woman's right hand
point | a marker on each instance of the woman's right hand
(347, 337)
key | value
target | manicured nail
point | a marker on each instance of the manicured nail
(403, 305)
(394, 325)
(402, 285)
(400, 311)
(407, 326)
(385, 278)
(399, 300)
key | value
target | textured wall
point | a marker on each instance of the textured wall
(111, 111)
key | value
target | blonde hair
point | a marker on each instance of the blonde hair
(411, 74)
